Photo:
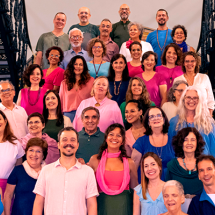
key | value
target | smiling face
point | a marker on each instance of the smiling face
(34, 156)
(51, 101)
(178, 91)
(171, 55)
(190, 143)
(75, 38)
(161, 18)
(136, 51)
(173, 199)
(114, 139)
(90, 121)
(119, 65)
(149, 63)
(84, 15)
(97, 49)
(59, 21)
(191, 100)
(156, 119)
(190, 63)
(7, 93)
(132, 114)
(3, 123)
(100, 87)
(35, 76)
(35, 126)
(124, 12)
(134, 32)
(78, 67)
(105, 28)
(179, 36)
(68, 144)
(54, 57)
(136, 88)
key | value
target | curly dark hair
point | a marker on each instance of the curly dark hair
(146, 55)
(60, 120)
(175, 28)
(146, 122)
(104, 144)
(178, 141)
(135, 43)
(196, 58)
(177, 50)
(69, 73)
(92, 42)
(111, 73)
(29, 70)
(57, 49)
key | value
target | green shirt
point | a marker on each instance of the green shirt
(120, 33)
(51, 129)
(89, 144)
(48, 40)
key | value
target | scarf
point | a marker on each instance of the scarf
(101, 170)
(183, 46)
(30, 171)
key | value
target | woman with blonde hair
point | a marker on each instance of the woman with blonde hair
(148, 195)
(193, 112)
(101, 99)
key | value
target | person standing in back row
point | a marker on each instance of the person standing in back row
(161, 37)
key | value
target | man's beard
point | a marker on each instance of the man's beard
(75, 45)
(67, 155)
(124, 16)
(162, 24)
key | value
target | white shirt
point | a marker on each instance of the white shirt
(202, 81)
(126, 52)
(212, 196)
(9, 153)
(170, 109)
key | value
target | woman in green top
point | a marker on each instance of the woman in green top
(136, 90)
(54, 119)
(188, 144)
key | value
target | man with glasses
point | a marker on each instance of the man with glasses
(120, 33)
(90, 137)
(105, 29)
(76, 37)
(15, 114)
(54, 38)
(90, 31)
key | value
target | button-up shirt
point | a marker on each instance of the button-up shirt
(65, 191)
(68, 55)
(17, 119)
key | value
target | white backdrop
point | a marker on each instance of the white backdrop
(40, 14)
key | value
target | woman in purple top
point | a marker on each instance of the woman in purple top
(54, 75)
(171, 67)
(31, 98)
(154, 82)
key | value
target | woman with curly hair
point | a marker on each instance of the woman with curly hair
(188, 144)
(136, 90)
(171, 64)
(115, 173)
(76, 86)
(97, 50)
(54, 75)
(31, 98)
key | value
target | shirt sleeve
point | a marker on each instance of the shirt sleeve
(13, 179)
(123, 49)
(40, 187)
(138, 145)
(40, 45)
(59, 78)
(162, 81)
(150, 47)
(209, 93)
(20, 150)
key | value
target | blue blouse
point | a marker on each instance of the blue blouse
(209, 139)
(103, 70)
(148, 206)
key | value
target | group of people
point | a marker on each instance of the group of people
(109, 124)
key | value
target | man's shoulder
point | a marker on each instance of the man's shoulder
(49, 167)
(116, 24)
(48, 34)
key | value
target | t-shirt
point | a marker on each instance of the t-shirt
(152, 39)
(212, 196)
(48, 40)
(90, 31)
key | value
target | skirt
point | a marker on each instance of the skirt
(121, 204)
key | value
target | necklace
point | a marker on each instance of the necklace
(164, 41)
(159, 155)
(97, 104)
(170, 79)
(117, 93)
(188, 169)
(38, 96)
(98, 68)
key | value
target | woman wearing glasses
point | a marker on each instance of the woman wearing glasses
(190, 67)
(194, 113)
(174, 95)
(97, 50)
(54, 74)
(155, 140)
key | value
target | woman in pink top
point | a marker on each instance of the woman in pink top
(115, 173)
(54, 75)
(108, 109)
(171, 60)
(31, 98)
(155, 83)
(135, 65)
(76, 86)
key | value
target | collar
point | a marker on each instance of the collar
(122, 23)
(72, 51)
(108, 41)
(77, 165)
(101, 103)
(4, 108)
(96, 134)
(204, 197)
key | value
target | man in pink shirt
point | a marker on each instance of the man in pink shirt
(66, 186)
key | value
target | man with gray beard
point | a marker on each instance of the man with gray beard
(76, 38)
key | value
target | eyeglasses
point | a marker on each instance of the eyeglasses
(180, 90)
(57, 56)
(105, 26)
(75, 37)
(154, 117)
(6, 90)
(83, 13)
(126, 9)
(36, 151)
(97, 47)
(35, 122)
(188, 98)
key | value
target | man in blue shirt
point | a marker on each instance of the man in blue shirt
(204, 204)
(76, 38)
(161, 37)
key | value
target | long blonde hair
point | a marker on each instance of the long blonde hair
(202, 119)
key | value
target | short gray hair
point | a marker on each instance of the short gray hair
(171, 97)
(90, 108)
(139, 26)
(174, 183)
(7, 81)
(76, 29)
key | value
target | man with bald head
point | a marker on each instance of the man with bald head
(120, 33)
(90, 31)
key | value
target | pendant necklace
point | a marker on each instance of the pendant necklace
(164, 41)
(116, 93)
(188, 169)
(159, 155)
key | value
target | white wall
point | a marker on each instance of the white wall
(40, 14)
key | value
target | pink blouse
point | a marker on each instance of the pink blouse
(134, 70)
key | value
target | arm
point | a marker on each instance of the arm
(93, 162)
(56, 88)
(136, 204)
(123, 49)
(163, 93)
(38, 205)
(133, 174)
(136, 157)
(8, 195)
(18, 102)
(39, 58)
(91, 206)
(18, 162)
